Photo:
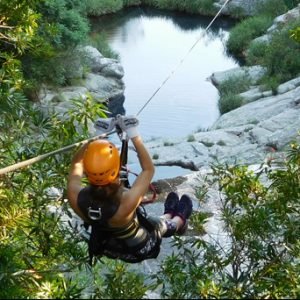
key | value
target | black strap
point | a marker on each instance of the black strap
(123, 162)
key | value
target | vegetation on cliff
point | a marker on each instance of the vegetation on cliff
(40, 257)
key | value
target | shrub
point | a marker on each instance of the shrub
(255, 53)
(234, 85)
(191, 6)
(279, 56)
(98, 8)
(272, 8)
(243, 33)
(282, 56)
(197, 221)
(256, 254)
(36, 251)
(229, 102)
(127, 3)
(295, 34)
(229, 90)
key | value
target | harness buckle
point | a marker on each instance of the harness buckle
(94, 214)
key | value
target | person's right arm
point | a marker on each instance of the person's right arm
(141, 185)
(139, 188)
(74, 180)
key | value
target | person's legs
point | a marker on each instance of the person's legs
(183, 212)
(175, 220)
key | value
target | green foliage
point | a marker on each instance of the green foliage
(98, 8)
(255, 53)
(272, 8)
(257, 254)
(37, 37)
(229, 90)
(190, 6)
(234, 85)
(279, 56)
(54, 60)
(37, 249)
(243, 33)
(291, 3)
(229, 102)
(198, 220)
(127, 3)
(295, 34)
(119, 283)
(18, 25)
(61, 24)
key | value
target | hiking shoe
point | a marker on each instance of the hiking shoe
(171, 203)
(184, 211)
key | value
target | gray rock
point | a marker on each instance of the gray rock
(254, 73)
(240, 7)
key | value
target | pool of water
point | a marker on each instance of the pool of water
(154, 46)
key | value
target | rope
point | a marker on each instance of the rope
(67, 148)
(43, 156)
(183, 59)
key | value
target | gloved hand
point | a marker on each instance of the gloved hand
(128, 124)
(104, 125)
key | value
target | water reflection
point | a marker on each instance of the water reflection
(151, 44)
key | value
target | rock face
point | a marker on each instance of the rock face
(247, 135)
(103, 82)
(279, 22)
(263, 127)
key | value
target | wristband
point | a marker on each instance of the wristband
(132, 132)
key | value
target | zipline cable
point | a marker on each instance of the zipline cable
(33, 160)
(67, 148)
(183, 59)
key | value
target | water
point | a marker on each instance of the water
(151, 45)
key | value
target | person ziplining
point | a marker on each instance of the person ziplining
(119, 229)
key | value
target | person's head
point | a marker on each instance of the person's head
(101, 162)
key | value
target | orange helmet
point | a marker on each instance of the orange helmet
(101, 162)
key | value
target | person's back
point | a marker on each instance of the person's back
(110, 208)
